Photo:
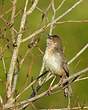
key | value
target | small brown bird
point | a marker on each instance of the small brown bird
(55, 62)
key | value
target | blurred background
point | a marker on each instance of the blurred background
(74, 37)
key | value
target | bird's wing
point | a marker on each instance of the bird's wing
(64, 64)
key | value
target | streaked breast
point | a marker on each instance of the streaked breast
(53, 62)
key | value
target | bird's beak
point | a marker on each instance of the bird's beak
(49, 36)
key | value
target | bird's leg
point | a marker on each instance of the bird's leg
(61, 81)
(49, 89)
(67, 89)
(64, 86)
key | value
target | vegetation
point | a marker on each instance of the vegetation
(24, 27)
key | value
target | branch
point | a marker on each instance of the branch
(60, 5)
(25, 55)
(8, 11)
(53, 17)
(78, 54)
(81, 79)
(75, 108)
(33, 7)
(12, 19)
(4, 65)
(15, 53)
(72, 21)
(15, 76)
(46, 26)
(54, 87)
(70, 80)
(66, 12)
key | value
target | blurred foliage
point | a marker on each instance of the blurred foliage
(74, 37)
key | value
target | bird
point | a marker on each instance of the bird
(54, 61)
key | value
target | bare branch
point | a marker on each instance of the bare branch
(8, 11)
(46, 26)
(33, 7)
(15, 76)
(26, 53)
(60, 5)
(78, 54)
(81, 79)
(70, 79)
(69, 10)
(11, 102)
(12, 19)
(34, 34)
(72, 21)
(53, 17)
(41, 72)
(13, 40)
(15, 53)
(40, 50)
(55, 86)
(4, 65)
(54, 14)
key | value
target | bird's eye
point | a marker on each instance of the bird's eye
(50, 37)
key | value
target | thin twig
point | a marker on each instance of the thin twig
(8, 11)
(12, 19)
(26, 53)
(60, 5)
(81, 79)
(72, 21)
(53, 17)
(40, 50)
(19, 11)
(57, 19)
(44, 12)
(66, 12)
(33, 7)
(52, 81)
(78, 54)
(4, 65)
(55, 10)
(41, 72)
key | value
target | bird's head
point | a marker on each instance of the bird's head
(53, 41)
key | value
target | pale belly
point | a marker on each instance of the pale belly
(53, 62)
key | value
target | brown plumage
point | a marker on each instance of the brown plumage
(54, 60)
